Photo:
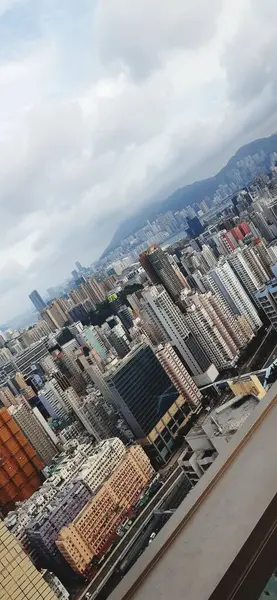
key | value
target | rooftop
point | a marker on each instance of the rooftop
(196, 553)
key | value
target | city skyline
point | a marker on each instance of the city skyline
(93, 124)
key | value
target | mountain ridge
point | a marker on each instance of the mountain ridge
(193, 192)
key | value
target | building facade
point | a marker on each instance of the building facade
(179, 376)
(172, 320)
(36, 430)
(223, 280)
(19, 579)
(37, 300)
(94, 529)
(20, 466)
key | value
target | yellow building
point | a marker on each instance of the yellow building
(19, 579)
(245, 385)
(93, 530)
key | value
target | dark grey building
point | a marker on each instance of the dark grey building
(37, 300)
(142, 390)
(125, 316)
(165, 271)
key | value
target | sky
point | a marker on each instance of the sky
(105, 104)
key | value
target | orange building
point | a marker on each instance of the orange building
(19, 464)
(94, 529)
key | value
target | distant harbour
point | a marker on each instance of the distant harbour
(175, 238)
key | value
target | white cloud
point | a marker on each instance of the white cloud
(109, 105)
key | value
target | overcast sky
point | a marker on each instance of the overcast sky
(105, 103)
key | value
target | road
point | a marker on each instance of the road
(271, 358)
(122, 548)
(251, 360)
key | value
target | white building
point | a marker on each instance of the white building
(223, 280)
(209, 337)
(172, 320)
(107, 455)
(245, 263)
(51, 396)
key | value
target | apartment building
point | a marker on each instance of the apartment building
(209, 336)
(223, 280)
(43, 530)
(31, 356)
(172, 320)
(105, 458)
(179, 375)
(94, 529)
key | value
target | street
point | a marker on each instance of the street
(95, 586)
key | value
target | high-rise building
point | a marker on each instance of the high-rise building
(219, 311)
(225, 242)
(149, 402)
(205, 330)
(266, 255)
(6, 396)
(92, 337)
(222, 279)
(267, 299)
(149, 321)
(52, 399)
(37, 300)
(166, 272)
(116, 335)
(144, 390)
(56, 585)
(96, 291)
(5, 355)
(19, 464)
(179, 376)
(172, 320)
(125, 316)
(31, 357)
(95, 415)
(36, 430)
(267, 229)
(19, 579)
(245, 263)
(159, 269)
(94, 529)
(148, 267)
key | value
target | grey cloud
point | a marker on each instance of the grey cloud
(137, 35)
(250, 57)
(78, 163)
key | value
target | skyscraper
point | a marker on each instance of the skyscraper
(160, 270)
(172, 320)
(19, 579)
(144, 390)
(245, 263)
(222, 279)
(209, 337)
(37, 300)
(221, 314)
